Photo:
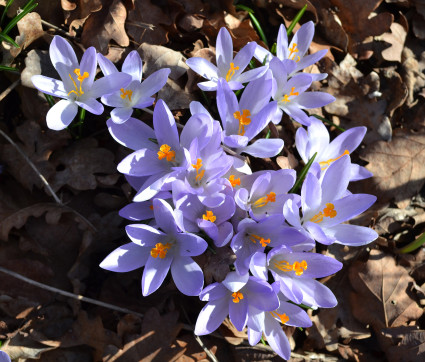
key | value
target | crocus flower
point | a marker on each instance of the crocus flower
(295, 272)
(136, 94)
(77, 87)
(296, 50)
(139, 211)
(255, 236)
(316, 139)
(326, 205)
(158, 152)
(291, 95)
(159, 251)
(244, 120)
(268, 193)
(270, 323)
(233, 297)
(229, 68)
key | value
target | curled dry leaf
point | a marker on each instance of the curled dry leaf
(397, 167)
(410, 345)
(381, 296)
(105, 25)
(80, 163)
(395, 38)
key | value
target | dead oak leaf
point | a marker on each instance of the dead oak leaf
(81, 162)
(410, 347)
(397, 166)
(105, 25)
(381, 296)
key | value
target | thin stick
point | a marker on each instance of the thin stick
(204, 347)
(9, 89)
(147, 110)
(45, 23)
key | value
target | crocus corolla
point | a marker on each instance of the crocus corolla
(159, 251)
(136, 94)
(228, 68)
(78, 87)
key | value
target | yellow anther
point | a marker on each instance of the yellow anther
(231, 72)
(237, 297)
(292, 51)
(160, 250)
(263, 201)
(324, 164)
(283, 317)
(165, 151)
(78, 90)
(292, 93)
(151, 207)
(296, 266)
(264, 242)
(328, 211)
(209, 215)
(197, 166)
(126, 93)
(234, 181)
(243, 119)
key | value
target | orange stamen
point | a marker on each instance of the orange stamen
(298, 267)
(263, 201)
(328, 211)
(243, 119)
(231, 72)
(237, 297)
(234, 181)
(325, 164)
(160, 250)
(165, 151)
(209, 216)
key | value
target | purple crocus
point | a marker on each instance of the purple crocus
(140, 211)
(270, 323)
(244, 120)
(326, 205)
(291, 95)
(255, 236)
(158, 152)
(212, 220)
(159, 251)
(233, 296)
(136, 94)
(316, 139)
(77, 87)
(295, 272)
(296, 51)
(268, 193)
(228, 68)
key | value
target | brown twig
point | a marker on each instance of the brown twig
(9, 89)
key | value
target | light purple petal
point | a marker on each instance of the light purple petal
(348, 140)
(213, 292)
(315, 294)
(143, 162)
(133, 134)
(126, 258)
(297, 114)
(61, 52)
(335, 180)
(203, 67)
(303, 38)
(144, 235)
(264, 147)
(311, 194)
(211, 316)
(121, 115)
(308, 60)
(109, 84)
(133, 65)
(224, 49)
(164, 216)
(137, 211)
(358, 172)
(352, 235)
(165, 126)
(156, 270)
(297, 316)
(243, 57)
(238, 313)
(282, 43)
(50, 86)
(155, 82)
(234, 282)
(254, 336)
(61, 114)
(191, 244)
(277, 339)
(106, 65)
(209, 86)
(261, 295)
(250, 75)
(317, 233)
(187, 275)
(89, 64)
(91, 105)
(314, 99)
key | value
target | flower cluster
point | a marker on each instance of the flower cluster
(195, 191)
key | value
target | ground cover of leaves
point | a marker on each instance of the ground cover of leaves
(375, 64)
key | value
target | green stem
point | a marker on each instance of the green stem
(328, 122)
(27, 9)
(269, 132)
(10, 2)
(9, 69)
(296, 20)
(49, 100)
(263, 341)
(413, 245)
(303, 174)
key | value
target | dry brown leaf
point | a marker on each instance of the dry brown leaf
(410, 347)
(175, 96)
(38, 145)
(105, 25)
(80, 163)
(363, 25)
(77, 11)
(396, 39)
(397, 166)
(381, 296)
(144, 23)
(21, 347)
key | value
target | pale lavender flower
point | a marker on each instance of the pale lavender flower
(326, 205)
(296, 51)
(4, 357)
(295, 272)
(158, 152)
(159, 251)
(291, 95)
(270, 323)
(228, 68)
(233, 297)
(78, 87)
(316, 139)
(244, 120)
(139, 211)
(136, 94)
